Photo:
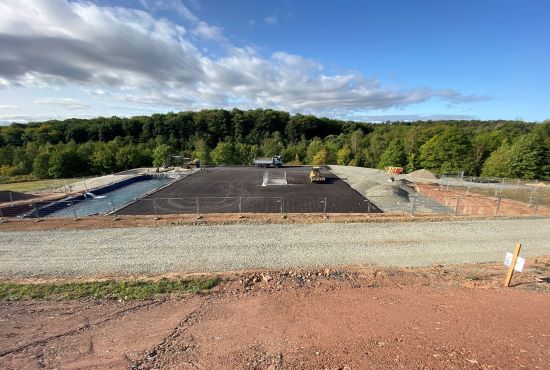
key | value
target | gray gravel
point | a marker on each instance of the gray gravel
(373, 184)
(234, 247)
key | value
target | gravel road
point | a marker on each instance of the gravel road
(235, 247)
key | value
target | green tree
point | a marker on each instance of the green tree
(450, 151)
(526, 157)
(161, 155)
(224, 154)
(272, 145)
(41, 165)
(343, 157)
(65, 162)
(313, 148)
(394, 155)
(498, 163)
(103, 159)
(321, 157)
(201, 151)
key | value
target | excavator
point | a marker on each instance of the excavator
(315, 175)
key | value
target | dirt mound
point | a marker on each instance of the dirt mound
(422, 175)
(388, 190)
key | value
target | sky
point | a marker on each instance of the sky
(355, 60)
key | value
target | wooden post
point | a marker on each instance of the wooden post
(512, 266)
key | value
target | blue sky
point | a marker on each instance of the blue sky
(362, 60)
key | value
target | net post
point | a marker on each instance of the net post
(198, 209)
(498, 205)
(240, 207)
(115, 218)
(74, 211)
(36, 214)
(155, 208)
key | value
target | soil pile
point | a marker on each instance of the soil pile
(422, 175)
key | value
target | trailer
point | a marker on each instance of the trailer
(274, 161)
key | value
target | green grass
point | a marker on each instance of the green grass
(110, 289)
(474, 277)
(25, 186)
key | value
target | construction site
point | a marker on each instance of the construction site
(328, 190)
(264, 267)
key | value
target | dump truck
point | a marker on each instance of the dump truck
(315, 175)
(274, 161)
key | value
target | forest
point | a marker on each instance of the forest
(82, 147)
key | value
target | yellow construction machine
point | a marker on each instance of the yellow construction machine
(315, 175)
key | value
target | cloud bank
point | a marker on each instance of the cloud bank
(133, 56)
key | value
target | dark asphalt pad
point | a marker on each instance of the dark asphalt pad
(239, 189)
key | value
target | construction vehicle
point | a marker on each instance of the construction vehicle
(274, 161)
(194, 163)
(315, 175)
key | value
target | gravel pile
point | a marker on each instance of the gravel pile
(390, 197)
(422, 176)
(281, 246)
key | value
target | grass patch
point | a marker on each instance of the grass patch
(110, 289)
(474, 277)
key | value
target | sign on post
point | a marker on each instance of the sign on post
(514, 262)
(519, 263)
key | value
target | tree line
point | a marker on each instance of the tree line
(79, 147)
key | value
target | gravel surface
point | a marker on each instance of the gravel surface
(235, 247)
(374, 185)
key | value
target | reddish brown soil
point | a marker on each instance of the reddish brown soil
(443, 317)
(476, 204)
(99, 222)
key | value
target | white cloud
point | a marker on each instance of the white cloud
(7, 106)
(207, 32)
(133, 57)
(63, 102)
(271, 20)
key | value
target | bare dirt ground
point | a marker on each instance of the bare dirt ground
(477, 204)
(440, 317)
(101, 222)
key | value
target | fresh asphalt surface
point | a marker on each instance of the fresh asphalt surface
(239, 189)
(150, 250)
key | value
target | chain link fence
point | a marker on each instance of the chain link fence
(449, 202)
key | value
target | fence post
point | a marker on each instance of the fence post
(536, 206)
(240, 207)
(456, 207)
(11, 196)
(531, 197)
(413, 208)
(74, 210)
(498, 205)
(36, 214)
(368, 206)
(116, 218)
(198, 210)
(155, 208)
(325, 208)
(2, 216)
(468, 191)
